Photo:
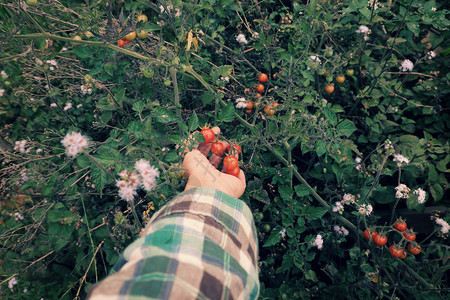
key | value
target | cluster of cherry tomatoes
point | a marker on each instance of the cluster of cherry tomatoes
(329, 88)
(230, 161)
(396, 250)
(259, 88)
(132, 35)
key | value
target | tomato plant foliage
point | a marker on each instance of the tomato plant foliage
(322, 164)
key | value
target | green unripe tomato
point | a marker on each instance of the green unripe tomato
(148, 72)
(31, 2)
(267, 227)
(349, 72)
(328, 52)
(77, 38)
(7, 83)
(167, 82)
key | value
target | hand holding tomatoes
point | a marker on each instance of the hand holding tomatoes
(203, 172)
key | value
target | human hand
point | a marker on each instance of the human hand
(202, 172)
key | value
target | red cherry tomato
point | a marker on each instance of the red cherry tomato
(395, 251)
(208, 134)
(409, 235)
(368, 234)
(122, 42)
(260, 88)
(217, 148)
(230, 162)
(234, 172)
(414, 249)
(400, 225)
(379, 239)
(263, 78)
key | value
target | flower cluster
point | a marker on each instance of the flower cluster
(283, 233)
(12, 282)
(130, 181)
(241, 39)
(18, 216)
(74, 142)
(421, 194)
(402, 191)
(364, 30)
(52, 64)
(3, 74)
(86, 89)
(365, 209)
(318, 242)
(348, 199)
(431, 54)
(2, 92)
(400, 159)
(358, 165)
(338, 207)
(340, 230)
(20, 146)
(445, 227)
(68, 106)
(406, 66)
(241, 103)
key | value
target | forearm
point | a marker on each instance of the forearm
(202, 244)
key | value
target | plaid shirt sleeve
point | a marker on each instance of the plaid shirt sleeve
(201, 245)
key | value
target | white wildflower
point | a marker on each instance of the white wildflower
(241, 103)
(126, 192)
(20, 146)
(406, 66)
(52, 62)
(358, 160)
(18, 216)
(421, 194)
(340, 230)
(348, 199)
(226, 79)
(433, 9)
(53, 104)
(79, 105)
(431, 54)
(2, 92)
(3, 74)
(241, 39)
(365, 209)
(363, 29)
(402, 191)
(161, 8)
(68, 106)
(400, 159)
(85, 89)
(74, 142)
(283, 232)
(318, 242)
(445, 227)
(338, 207)
(12, 282)
(314, 58)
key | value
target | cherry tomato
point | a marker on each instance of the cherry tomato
(217, 148)
(259, 88)
(267, 228)
(409, 235)
(268, 109)
(142, 18)
(414, 249)
(395, 251)
(248, 111)
(263, 78)
(340, 79)
(400, 225)
(230, 162)
(349, 72)
(379, 239)
(235, 172)
(368, 234)
(249, 105)
(131, 36)
(208, 134)
(329, 88)
(247, 91)
(258, 95)
(142, 34)
(122, 42)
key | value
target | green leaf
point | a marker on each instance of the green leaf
(285, 193)
(99, 178)
(193, 122)
(311, 275)
(225, 71)
(226, 114)
(110, 68)
(432, 174)
(321, 147)
(313, 213)
(308, 75)
(437, 191)
(108, 157)
(273, 239)
(301, 190)
(346, 128)
(330, 115)
(138, 106)
(207, 98)
(164, 116)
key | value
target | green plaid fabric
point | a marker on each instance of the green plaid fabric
(201, 245)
